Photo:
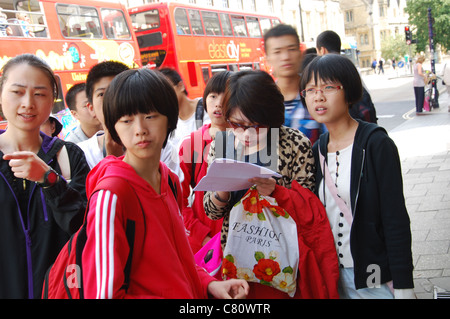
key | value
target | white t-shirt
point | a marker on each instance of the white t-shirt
(92, 152)
(186, 127)
(339, 225)
(76, 135)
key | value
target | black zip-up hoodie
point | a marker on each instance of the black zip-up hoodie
(35, 222)
(380, 234)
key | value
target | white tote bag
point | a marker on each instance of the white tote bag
(262, 244)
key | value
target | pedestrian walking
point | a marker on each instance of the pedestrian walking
(380, 65)
(140, 112)
(359, 181)
(419, 80)
(42, 179)
(374, 66)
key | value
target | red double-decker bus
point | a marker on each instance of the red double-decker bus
(71, 35)
(199, 41)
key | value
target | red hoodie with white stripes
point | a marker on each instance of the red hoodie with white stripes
(162, 264)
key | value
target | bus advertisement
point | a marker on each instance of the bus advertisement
(199, 41)
(71, 36)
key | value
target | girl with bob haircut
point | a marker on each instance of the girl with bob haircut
(41, 206)
(140, 109)
(359, 181)
(253, 107)
(193, 162)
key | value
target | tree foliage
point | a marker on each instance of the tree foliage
(418, 19)
(395, 47)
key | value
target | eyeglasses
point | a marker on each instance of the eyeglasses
(327, 90)
(235, 125)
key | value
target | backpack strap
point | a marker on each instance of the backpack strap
(173, 187)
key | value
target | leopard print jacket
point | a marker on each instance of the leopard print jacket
(295, 162)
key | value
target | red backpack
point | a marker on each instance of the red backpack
(64, 279)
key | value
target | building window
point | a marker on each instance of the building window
(224, 4)
(349, 16)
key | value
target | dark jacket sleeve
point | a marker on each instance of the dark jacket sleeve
(67, 200)
(394, 216)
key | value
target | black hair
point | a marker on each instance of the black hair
(330, 40)
(257, 96)
(33, 61)
(101, 70)
(334, 68)
(305, 61)
(279, 31)
(72, 94)
(216, 84)
(139, 91)
(173, 76)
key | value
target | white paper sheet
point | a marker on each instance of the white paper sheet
(231, 175)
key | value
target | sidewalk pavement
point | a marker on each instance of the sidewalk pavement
(423, 142)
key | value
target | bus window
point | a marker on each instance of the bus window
(36, 23)
(211, 22)
(226, 25)
(256, 66)
(253, 27)
(205, 73)
(196, 22)
(181, 21)
(218, 68)
(79, 21)
(233, 67)
(239, 26)
(265, 24)
(245, 66)
(115, 24)
(275, 22)
(145, 20)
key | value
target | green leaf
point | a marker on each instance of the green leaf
(267, 283)
(261, 216)
(230, 258)
(259, 255)
(288, 270)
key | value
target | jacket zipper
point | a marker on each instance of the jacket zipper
(359, 181)
(27, 240)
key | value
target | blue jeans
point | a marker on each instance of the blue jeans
(347, 290)
(419, 93)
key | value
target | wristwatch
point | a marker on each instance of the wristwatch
(50, 178)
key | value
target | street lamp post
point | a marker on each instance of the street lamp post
(435, 101)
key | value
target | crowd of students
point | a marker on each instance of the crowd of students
(140, 127)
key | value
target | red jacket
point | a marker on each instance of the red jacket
(195, 219)
(318, 270)
(162, 263)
